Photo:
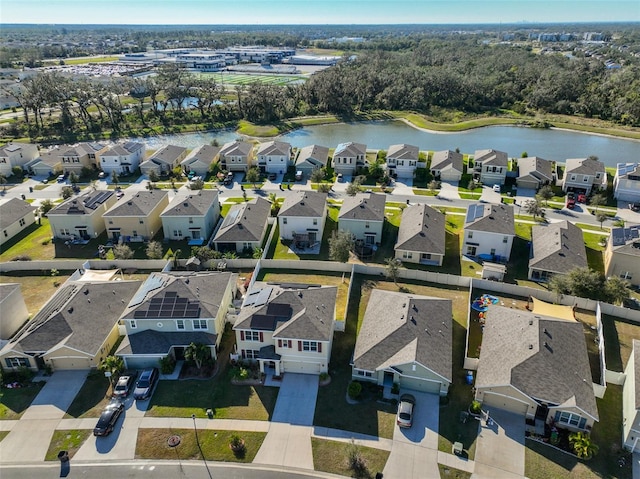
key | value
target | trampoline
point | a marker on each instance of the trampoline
(482, 303)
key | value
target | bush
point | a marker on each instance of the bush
(356, 461)
(236, 443)
(475, 407)
(355, 388)
(167, 364)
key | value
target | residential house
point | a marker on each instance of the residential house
(311, 158)
(534, 172)
(123, 158)
(447, 165)
(15, 217)
(287, 327)
(301, 217)
(626, 183)
(631, 401)
(81, 217)
(537, 366)
(274, 157)
(582, 175)
(75, 329)
(348, 156)
(405, 339)
(75, 158)
(16, 154)
(244, 227)
(164, 160)
(363, 216)
(191, 216)
(556, 248)
(47, 163)
(490, 166)
(236, 156)
(172, 310)
(200, 160)
(421, 236)
(622, 254)
(136, 218)
(488, 232)
(14, 310)
(402, 160)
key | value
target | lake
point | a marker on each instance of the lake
(549, 144)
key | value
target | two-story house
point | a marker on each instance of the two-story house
(311, 158)
(15, 216)
(583, 175)
(446, 165)
(626, 183)
(274, 156)
(363, 216)
(490, 166)
(348, 156)
(402, 160)
(46, 164)
(302, 216)
(16, 154)
(123, 158)
(244, 226)
(136, 218)
(534, 172)
(488, 232)
(200, 160)
(172, 310)
(622, 254)
(287, 327)
(83, 155)
(236, 156)
(81, 217)
(164, 160)
(191, 216)
(556, 248)
(421, 236)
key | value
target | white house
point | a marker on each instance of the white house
(490, 166)
(348, 156)
(200, 160)
(583, 175)
(446, 165)
(123, 158)
(363, 216)
(191, 216)
(274, 156)
(46, 164)
(631, 401)
(302, 216)
(626, 183)
(15, 216)
(488, 232)
(421, 236)
(81, 217)
(244, 226)
(16, 154)
(236, 156)
(402, 160)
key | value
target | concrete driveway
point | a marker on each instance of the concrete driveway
(414, 453)
(500, 447)
(449, 190)
(296, 402)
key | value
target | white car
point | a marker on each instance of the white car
(497, 188)
(405, 410)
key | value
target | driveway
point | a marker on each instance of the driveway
(449, 190)
(296, 402)
(500, 447)
(414, 453)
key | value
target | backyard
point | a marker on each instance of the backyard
(36, 289)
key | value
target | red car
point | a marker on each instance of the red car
(571, 201)
(582, 199)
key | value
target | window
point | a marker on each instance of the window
(17, 362)
(248, 245)
(190, 220)
(366, 374)
(141, 222)
(571, 419)
(5, 233)
(199, 324)
(493, 252)
(250, 354)
(505, 239)
(366, 225)
(110, 222)
(177, 234)
(284, 220)
(573, 177)
(65, 232)
(407, 255)
(310, 346)
(284, 343)
(132, 324)
(470, 235)
(22, 221)
(585, 179)
(251, 336)
(134, 233)
(315, 221)
(180, 324)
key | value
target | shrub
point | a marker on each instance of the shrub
(475, 407)
(324, 376)
(167, 364)
(236, 443)
(356, 461)
(355, 388)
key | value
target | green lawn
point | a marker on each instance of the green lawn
(66, 440)
(34, 242)
(92, 397)
(14, 402)
(333, 457)
(3, 434)
(451, 473)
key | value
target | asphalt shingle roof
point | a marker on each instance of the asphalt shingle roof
(403, 152)
(363, 206)
(491, 157)
(156, 342)
(557, 247)
(244, 222)
(537, 168)
(319, 154)
(193, 204)
(12, 210)
(584, 166)
(350, 149)
(85, 204)
(271, 148)
(140, 204)
(168, 155)
(422, 229)
(442, 159)
(204, 154)
(236, 148)
(306, 204)
(493, 219)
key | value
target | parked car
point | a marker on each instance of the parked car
(571, 200)
(101, 175)
(61, 178)
(124, 385)
(497, 188)
(228, 179)
(406, 407)
(634, 206)
(272, 176)
(108, 419)
(340, 178)
(582, 198)
(299, 175)
(145, 384)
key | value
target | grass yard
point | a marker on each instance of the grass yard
(451, 473)
(66, 440)
(234, 79)
(36, 290)
(14, 402)
(92, 397)
(3, 434)
(618, 337)
(152, 444)
(34, 242)
(333, 457)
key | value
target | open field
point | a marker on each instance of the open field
(234, 79)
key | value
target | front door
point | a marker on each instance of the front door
(178, 352)
(82, 233)
(370, 239)
(312, 237)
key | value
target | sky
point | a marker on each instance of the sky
(256, 12)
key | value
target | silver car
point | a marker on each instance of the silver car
(405, 410)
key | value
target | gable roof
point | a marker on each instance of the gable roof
(363, 206)
(545, 358)
(244, 222)
(319, 154)
(445, 158)
(292, 311)
(193, 204)
(350, 150)
(491, 157)
(12, 210)
(536, 168)
(140, 204)
(630, 171)
(205, 154)
(10, 148)
(584, 166)
(625, 240)
(69, 318)
(236, 148)
(304, 204)
(82, 205)
(490, 218)
(403, 152)
(400, 328)
(168, 155)
(271, 148)
(557, 247)
(422, 229)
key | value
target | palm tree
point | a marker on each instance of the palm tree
(197, 352)
(113, 365)
(583, 446)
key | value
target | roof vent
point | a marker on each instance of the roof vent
(530, 346)
(70, 310)
(531, 322)
(300, 294)
(185, 204)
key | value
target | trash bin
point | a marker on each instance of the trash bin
(210, 413)
(23, 197)
(63, 456)
(31, 189)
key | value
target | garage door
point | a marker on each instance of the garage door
(71, 363)
(420, 385)
(141, 363)
(506, 403)
(300, 367)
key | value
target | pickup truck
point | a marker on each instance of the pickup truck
(571, 201)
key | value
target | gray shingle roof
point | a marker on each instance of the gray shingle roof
(491, 157)
(204, 154)
(537, 168)
(236, 148)
(625, 240)
(545, 358)
(140, 204)
(557, 247)
(399, 328)
(271, 148)
(124, 149)
(193, 204)
(316, 153)
(244, 222)
(302, 312)
(584, 166)
(156, 342)
(82, 205)
(363, 206)
(493, 219)
(442, 159)
(168, 155)
(350, 149)
(12, 210)
(422, 229)
(304, 203)
(403, 152)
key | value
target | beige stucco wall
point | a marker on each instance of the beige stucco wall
(14, 313)
(13, 229)
(359, 228)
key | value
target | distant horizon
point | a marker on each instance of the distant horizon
(320, 12)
